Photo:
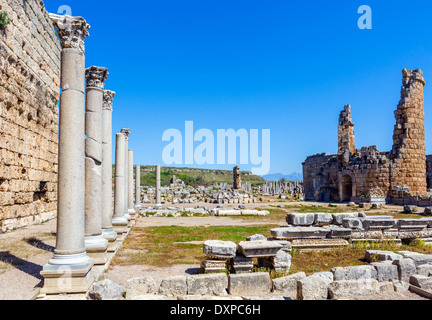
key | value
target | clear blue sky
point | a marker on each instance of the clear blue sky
(288, 66)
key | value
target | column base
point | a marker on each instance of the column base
(67, 274)
(111, 236)
(96, 248)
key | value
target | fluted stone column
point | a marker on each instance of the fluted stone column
(137, 188)
(96, 244)
(158, 195)
(126, 173)
(119, 221)
(131, 209)
(107, 170)
(68, 270)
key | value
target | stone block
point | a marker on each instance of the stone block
(386, 271)
(353, 288)
(339, 232)
(410, 209)
(338, 217)
(352, 223)
(242, 264)
(412, 224)
(289, 233)
(425, 270)
(255, 249)
(406, 268)
(288, 285)
(378, 223)
(322, 219)
(354, 273)
(173, 286)
(211, 266)
(381, 255)
(256, 237)
(249, 283)
(107, 290)
(219, 249)
(282, 261)
(421, 281)
(300, 219)
(207, 284)
(314, 287)
(140, 286)
(315, 244)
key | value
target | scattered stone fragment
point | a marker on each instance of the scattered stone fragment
(140, 286)
(248, 283)
(314, 287)
(288, 285)
(207, 284)
(254, 249)
(107, 290)
(173, 286)
(220, 249)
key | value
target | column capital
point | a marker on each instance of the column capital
(108, 98)
(71, 30)
(96, 77)
(126, 132)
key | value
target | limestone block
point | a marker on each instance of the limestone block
(338, 217)
(381, 255)
(107, 290)
(386, 271)
(412, 224)
(354, 273)
(288, 285)
(425, 270)
(339, 232)
(322, 219)
(378, 223)
(420, 259)
(406, 268)
(207, 284)
(140, 286)
(352, 223)
(173, 286)
(421, 281)
(242, 264)
(353, 288)
(211, 266)
(249, 283)
(300, 219)
(256, 237)
(282, 261)
(220, 249)
(314, 287)
(255, 249)
(299, 232)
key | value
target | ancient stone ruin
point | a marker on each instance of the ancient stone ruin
(399, 176)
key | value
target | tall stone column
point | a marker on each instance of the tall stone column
(107, 171)
(119, 220)
(96, 244)
(126, 173)
(137, 188)
(131, 209)
(68, 270)
(158, 193)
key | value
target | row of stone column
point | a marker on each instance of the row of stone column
(88, 230)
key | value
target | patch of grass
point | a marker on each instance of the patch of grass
(165, 245)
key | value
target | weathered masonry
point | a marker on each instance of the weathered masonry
(29, 94)
(401, 176)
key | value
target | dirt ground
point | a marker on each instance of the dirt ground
(24, 252)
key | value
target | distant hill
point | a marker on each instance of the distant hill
(195, 177)
(295, 176)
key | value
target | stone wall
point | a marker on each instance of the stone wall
(29, 93)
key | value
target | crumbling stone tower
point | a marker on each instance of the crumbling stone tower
(409, 149)
(346, 139)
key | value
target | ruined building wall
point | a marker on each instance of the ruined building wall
(409, 148)
(29, 91)
(366, 172)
